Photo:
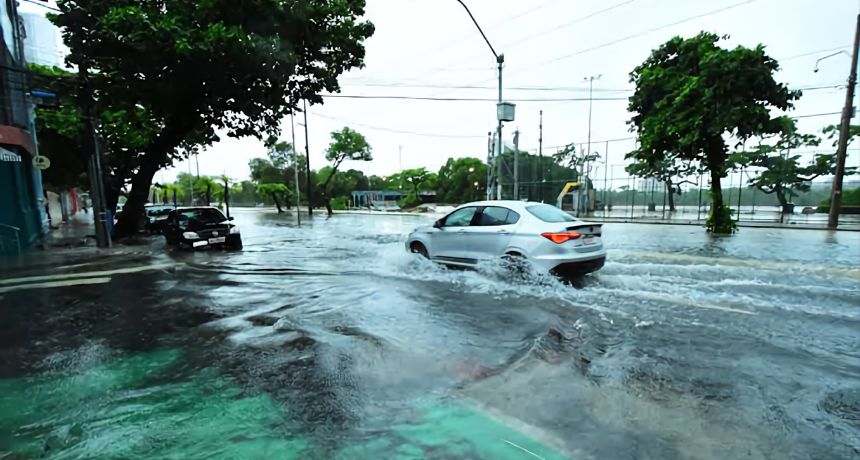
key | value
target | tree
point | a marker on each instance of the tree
(690, 94)
(781, 173)
(461, 180)
(346, 144)
(669, 174)
(187, 70)
(278, 192)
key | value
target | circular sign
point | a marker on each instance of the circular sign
(41, 162)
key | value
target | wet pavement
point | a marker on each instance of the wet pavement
(329, 341)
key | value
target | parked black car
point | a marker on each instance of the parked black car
(201, 227)
(156, 217)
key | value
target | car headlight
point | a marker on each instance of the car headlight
(234, 230)
(191, 236)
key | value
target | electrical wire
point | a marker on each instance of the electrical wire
(472, 99)
(43, 5)
(398, 131)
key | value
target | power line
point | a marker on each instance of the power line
(645, 32)
(43, 5)
(469, 99)
(399, 131)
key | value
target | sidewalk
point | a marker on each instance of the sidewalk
(78, 231)
(845, 227)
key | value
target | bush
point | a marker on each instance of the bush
(849, 198)
(338, 203)
(409, 201)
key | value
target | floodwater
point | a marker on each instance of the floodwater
(329, 341)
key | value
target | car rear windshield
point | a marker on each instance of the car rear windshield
(205, 215)
(549, 213)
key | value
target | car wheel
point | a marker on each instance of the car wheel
(516, 263)
(236, 245)
(418, 248)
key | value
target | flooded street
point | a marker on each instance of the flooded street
(330, 341)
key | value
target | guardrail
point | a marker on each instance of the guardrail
(7, 242)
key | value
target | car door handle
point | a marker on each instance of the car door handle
(501, 231)
(461, 231)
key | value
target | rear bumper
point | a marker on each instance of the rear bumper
(574, 269)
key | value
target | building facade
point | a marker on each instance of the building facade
(23, 218)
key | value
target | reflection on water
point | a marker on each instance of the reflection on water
(330, 341)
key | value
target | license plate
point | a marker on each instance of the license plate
(220, 239)
(588, 240)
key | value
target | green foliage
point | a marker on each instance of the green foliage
(723, 223)
(850, 199)
(275, 192)
(456, 181)
(690, 93)
(567, 157)
(180, 71)
(416, 179)
(346, 144)
(832, 132)
(411, 200)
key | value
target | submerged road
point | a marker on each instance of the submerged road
(329, 341)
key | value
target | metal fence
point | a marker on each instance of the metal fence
(617, 195)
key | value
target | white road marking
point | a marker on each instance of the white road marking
(54, 284)
(118, 271)
(524, 449)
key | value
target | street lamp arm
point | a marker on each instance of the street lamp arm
(499, 58)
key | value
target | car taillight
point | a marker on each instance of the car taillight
(560, 237)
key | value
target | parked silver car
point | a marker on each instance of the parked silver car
(538, 234)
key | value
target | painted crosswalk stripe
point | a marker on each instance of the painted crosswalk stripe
(54, 284)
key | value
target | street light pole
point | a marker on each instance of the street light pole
(500, 60)
(588, 149)
(844, 128)
(296, 170)
(308, 162)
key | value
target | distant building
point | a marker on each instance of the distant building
(41, 41)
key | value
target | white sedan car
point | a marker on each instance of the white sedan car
(541, 235)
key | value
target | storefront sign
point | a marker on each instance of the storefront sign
(42, 163)
(8, 156)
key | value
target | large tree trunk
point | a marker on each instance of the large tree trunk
(277, 203)
(717, 216)
(327, 201)
(670, 194)
(132, 212)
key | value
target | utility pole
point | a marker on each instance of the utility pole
(605, 179)
(540, 155)
(844, 128)
(491, 146)
(308, 161)
(504, 111)
(400, 157)
(588, 150)
(296, 170)
(190, 184)
(94, 164)
(517, 164)
(197, 162)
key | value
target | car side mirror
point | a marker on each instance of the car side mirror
(230, 218)
(437, 224)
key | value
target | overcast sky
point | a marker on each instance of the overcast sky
(427, 48)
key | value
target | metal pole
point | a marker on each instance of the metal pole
(699, 203)
(308, 161)
(296, 169)
(605, 180)
(490, 148)
(588, 149)
(517, 164)
(540, 156)
(97, 193)
(844, 128)
(197, 162)
(740, 190)
(501, 60)
(190, 185)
